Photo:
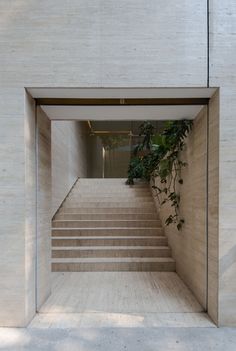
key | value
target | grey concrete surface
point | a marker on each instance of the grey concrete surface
(118, 339)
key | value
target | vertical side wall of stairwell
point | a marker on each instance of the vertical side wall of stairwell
(62, 158)
(70, 151)
(189, 246)
(43, 218)
(213, 208)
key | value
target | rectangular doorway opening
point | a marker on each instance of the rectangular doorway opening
(99, 207)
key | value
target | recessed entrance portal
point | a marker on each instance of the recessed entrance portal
(105, 290)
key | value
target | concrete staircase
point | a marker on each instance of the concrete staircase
(105, 225)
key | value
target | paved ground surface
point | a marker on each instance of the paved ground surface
(119, 292)
(120, 299)
(118, 339)
(119, 318)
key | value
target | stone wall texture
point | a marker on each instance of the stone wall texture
(223, 74)
(44, 195)
(109, 43)
(189, 246)
(70, 157)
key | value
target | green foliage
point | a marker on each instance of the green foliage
(158, 156)
(135, 170)
(146, 130)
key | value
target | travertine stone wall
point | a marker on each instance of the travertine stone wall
(103, 43)
(81, 43)
(43, 244)
(189, 245)
(223, 74)
(70, 157)
(213, 207)
(30, 209)
(16, 219)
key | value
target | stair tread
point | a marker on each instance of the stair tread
(110, 202)
(110, 228)
(67, 209)
(106, 220)
(111, 196)
(83, 248)
(104, 216)
(111, 199)
(107, 214)
(104, 228)
(120, 201)
(109, 237)
(112, 259)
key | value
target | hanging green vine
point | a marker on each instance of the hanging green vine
(158, 156)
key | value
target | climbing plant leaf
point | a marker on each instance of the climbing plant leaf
(158, 156)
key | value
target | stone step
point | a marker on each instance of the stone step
(99, 204)
(110, 197)
(106, 223)
(104, 216)
(111, 190)
(110, 241)
(92, 190)
(113, 187)
(71, 232)
(139, 200)
(83, 182)
(111, 251)
(107, 210)
(109, 194)
(161, 264)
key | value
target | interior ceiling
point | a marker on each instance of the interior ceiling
(116, 113)
(66, 108)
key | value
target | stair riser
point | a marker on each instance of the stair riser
(102, 204)
(111, 198)
(104, 216)
(111, 253)
(104, 183)
(108, 232)
(105, 210)
(162, 241)
(109, 195)
(114, 267)
(117, 189)
(106, 224)
(91, 191)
